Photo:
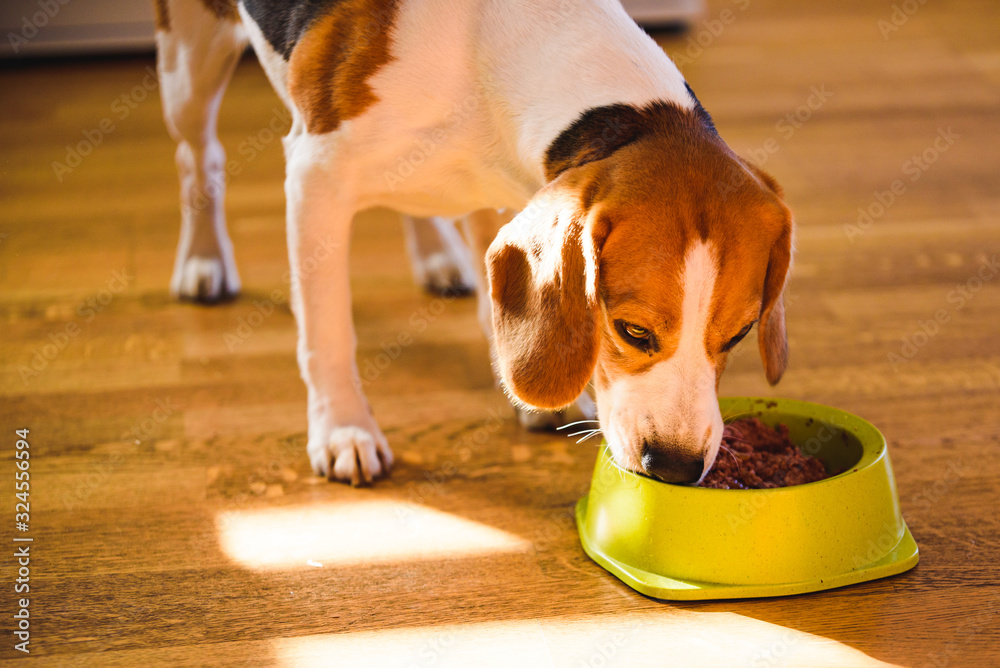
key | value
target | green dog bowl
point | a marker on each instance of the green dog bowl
(681, 542)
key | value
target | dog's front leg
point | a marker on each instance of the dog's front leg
(345, 443)
(480, 228)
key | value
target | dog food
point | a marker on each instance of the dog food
(756, 456)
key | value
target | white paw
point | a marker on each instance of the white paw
(204, 279)
(351, 454)
(583, 408)
(443, 275)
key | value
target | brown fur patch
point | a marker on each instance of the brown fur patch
(329, 68)
(595, 135)
(600, 131)
(223, 9)
(162, 15)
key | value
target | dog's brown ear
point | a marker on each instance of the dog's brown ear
(772, 337)
(542, 270)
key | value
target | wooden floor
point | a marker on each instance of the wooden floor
(174, 516)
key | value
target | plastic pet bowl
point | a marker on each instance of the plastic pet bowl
(683, 542)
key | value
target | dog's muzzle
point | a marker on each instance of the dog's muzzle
(670, 464)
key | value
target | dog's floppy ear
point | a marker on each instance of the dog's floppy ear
(542, 270)
(771, 335)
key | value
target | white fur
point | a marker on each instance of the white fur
(673, 404)
(193, 75)
(473, 96)
(544, 79)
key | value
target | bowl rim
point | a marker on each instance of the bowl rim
(874, 447)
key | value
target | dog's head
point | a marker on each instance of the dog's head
(641, 264)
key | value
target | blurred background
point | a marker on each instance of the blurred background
(73, 27)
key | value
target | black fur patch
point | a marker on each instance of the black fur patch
(595, 135)
(284, 22)
(700, 110)
(601, 131)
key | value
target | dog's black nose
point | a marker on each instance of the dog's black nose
(671, 466)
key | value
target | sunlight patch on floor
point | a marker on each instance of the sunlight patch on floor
(359, 532)
(667, 638)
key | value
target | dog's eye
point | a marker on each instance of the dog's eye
(636, 336)
(736, 339)
(636, 332)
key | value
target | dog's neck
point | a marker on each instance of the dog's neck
(552, 60)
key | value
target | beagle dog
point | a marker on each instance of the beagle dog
(643, 248)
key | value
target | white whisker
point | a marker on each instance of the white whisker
(739, 469)
(571, 424)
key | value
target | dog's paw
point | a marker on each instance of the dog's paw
(583, 408)
(351, 454)
(441, 274)
(440, 258)
(205, 280)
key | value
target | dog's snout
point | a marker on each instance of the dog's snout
(670, 465)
